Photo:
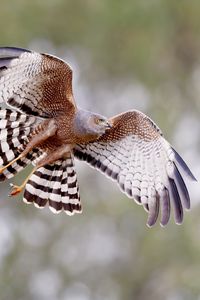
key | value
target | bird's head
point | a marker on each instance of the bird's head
(98, 123)
(91, 124)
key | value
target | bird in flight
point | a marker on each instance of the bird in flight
(42, 125)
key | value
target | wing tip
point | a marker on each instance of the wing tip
(179, 222)
(183, 165)
(148, 225)
(12, 51)
(182, 188)
(163, 225)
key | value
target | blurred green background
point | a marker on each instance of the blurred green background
(143, 55)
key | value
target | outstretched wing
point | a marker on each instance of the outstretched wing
(37, 84)
(135, 154)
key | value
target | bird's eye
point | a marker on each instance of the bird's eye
(99, 121)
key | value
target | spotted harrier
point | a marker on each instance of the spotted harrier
(43, 126)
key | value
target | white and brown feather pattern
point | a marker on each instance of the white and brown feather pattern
(29, 81)
(15, 128)
(146, 169)
(57, 185)
(133, 152)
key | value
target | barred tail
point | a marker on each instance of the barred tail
(57, 185)
(15, 128)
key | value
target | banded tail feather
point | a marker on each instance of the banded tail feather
(55, 184)
(15, 128)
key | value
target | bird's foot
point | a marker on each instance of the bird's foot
(15, 190)
(2, 169)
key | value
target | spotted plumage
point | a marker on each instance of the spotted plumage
(44, 127)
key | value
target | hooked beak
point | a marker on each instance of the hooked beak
(108, 124)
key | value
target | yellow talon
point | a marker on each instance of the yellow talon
(15, 190)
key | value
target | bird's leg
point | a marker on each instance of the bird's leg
(10, 163)
(42, 132)
(60, 152)
(16, 189)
